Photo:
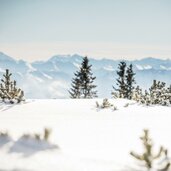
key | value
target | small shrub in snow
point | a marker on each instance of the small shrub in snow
(115, 95)
(37, 136)
(126, 105)
(26, 136)
(4, 138)
(97, 104)
(8, 90)
(4, 134)
(158, 94)
(137, 94)
(115, 108)
(148, 157)
(105, 104)
(47, 133)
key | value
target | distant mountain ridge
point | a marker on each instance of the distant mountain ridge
(52, 78)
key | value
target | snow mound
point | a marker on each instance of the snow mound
(29, 146)
(4, 140)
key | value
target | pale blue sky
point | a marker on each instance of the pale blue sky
(37, 29)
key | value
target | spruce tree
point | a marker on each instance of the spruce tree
(130, 81)
(121, 80)
(75, 91)
(82, 84)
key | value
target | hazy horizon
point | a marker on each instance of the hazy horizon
(116, 29)
(90, 57)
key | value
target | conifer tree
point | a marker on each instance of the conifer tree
(157, 94)
(130, 81)
(75, 91)
(9, 91)
(121, 80)
(82, 84)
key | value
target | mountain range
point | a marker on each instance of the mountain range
(52, 78)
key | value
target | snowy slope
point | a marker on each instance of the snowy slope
(89, 139)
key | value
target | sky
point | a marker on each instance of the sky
(117, 29)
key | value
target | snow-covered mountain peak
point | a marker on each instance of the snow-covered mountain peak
(4, 57)
(60, 58)
(38, 78)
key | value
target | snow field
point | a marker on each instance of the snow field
(89, 139)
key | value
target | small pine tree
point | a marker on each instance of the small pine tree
(121, 80)
(8, 89)
(137, 94)
(157, 94)
(105, 104)
(82, 84)
(130, 81)
(148, 156)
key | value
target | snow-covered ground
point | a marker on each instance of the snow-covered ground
(83, 138)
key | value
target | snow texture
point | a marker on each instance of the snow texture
(84, 137)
